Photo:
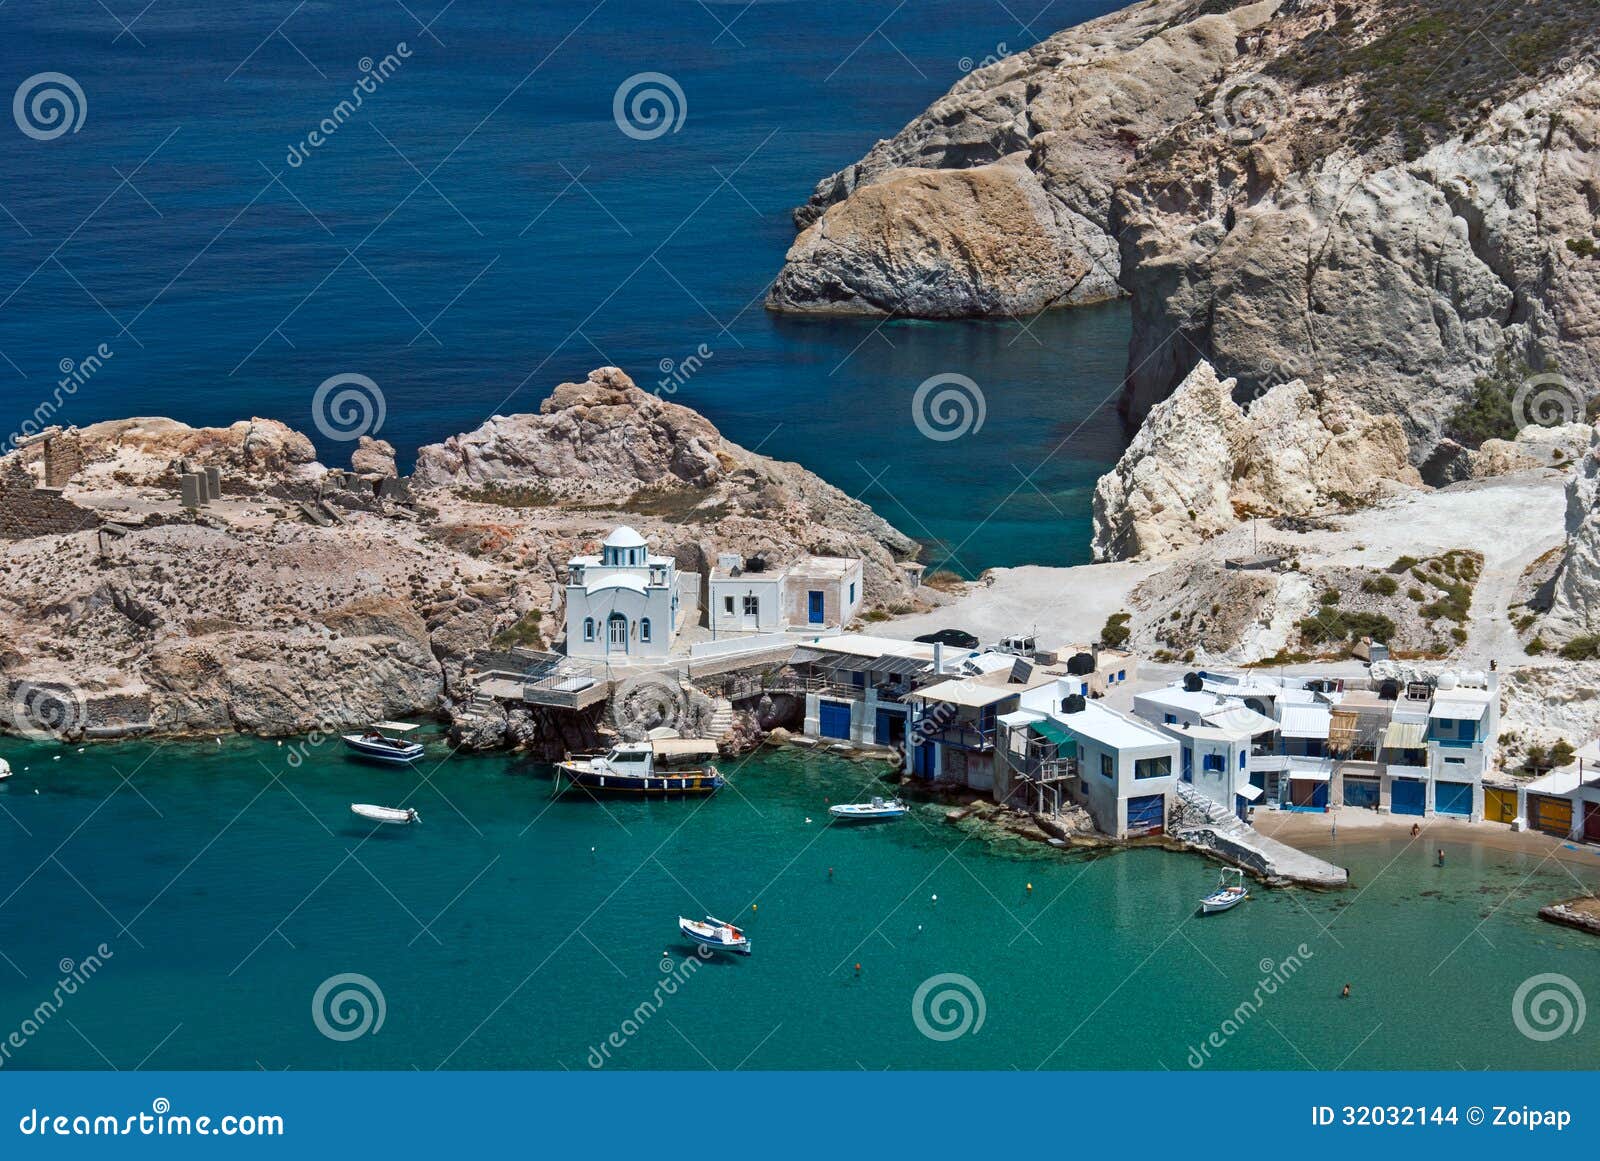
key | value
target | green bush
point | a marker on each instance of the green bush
(1382, 584)
(1115, 634)
(1584, 648)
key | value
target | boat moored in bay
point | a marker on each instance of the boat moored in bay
(379, 743)
(399, 815)
(715, 934)
(660, 766)
(869, 811)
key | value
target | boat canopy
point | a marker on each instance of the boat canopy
(396, 727)
(683, 747)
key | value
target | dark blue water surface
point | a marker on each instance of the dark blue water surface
(480, 229)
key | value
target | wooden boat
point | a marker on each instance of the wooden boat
(716, 934)
(395, 814)
(1227, 895)
(378, 743)
(660, 766)
(869, 811)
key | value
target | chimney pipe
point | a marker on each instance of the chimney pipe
(938, 658)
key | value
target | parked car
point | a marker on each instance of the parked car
(955, 638)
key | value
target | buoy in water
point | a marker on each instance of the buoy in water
(752, 906)
(936, 898)
(1030, 888)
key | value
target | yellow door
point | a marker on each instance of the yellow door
(1499, 805)
(1551, 815)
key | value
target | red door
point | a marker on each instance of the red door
(1591, 822)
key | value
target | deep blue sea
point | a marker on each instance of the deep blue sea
(481, 228)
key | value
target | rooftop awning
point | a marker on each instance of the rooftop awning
(1249, 792)
(1405, 736)
(804, 656)
(1054, 733)
(683, 747)
(1310, 773)
(1306, 721)
(905, 666)
(1343, 728)
(1241, 717)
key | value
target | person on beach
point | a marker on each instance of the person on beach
(1416, 829)
(1441, 856)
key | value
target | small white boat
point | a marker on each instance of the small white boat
(395, 814)
(866, 811)
(1227, 894)
(379, 744)
(714, 933)
(5, 769)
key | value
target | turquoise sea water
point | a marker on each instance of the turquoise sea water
(228, 282)
(515, 930)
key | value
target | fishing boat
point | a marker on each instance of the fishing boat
(395, 814)
(379, 743)
(869, 811)
(715, 934)
(659, 766)
(1227, 894)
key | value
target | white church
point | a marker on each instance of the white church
(623, 604)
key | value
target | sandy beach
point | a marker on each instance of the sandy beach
(1301, 828)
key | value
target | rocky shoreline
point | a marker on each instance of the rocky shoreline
(304, 597)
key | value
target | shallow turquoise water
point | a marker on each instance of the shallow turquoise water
(513, 930)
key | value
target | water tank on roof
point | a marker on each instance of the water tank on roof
(1475, 679)
(1389, 690)
(1081, 664)
(1192, 683)
(1073, 704)
(1447, 680)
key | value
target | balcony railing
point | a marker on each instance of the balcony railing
(965, 736)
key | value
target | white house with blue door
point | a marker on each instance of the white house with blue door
(812, 594)
(857, 685)
(1127, 769)
(622, 605)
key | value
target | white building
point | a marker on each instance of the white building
(1123, 771)
(623, 604)
(815, 593)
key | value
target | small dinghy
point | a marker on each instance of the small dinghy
(378, 743)
(1227, 894)
(716, 934)
(395, 814)
(868, 811)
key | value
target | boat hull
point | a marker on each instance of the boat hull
(1212, 904)
(698, 782)
(866, 815)
(741, 947)
(378, 752)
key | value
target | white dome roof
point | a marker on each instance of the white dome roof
(624, 537)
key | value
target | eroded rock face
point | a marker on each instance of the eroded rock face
(997, 200)
(151, 451)
(1575, 600)
(1201, 463)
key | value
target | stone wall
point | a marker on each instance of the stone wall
(63, 458)
(26, 510)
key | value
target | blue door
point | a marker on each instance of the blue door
(1452, 797)
(891, 728)
(833, 719)
(814, 607)
(1147, 815)
(1360, 791)
(1407, 797)
(922, 759)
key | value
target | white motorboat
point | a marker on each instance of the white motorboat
(716, 934)
(395, 814)
(5, 769)
(1227, 895)
(658, 766)
(378, 743)
(868, 811)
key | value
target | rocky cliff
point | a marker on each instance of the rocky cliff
(1202, 463)
(1395, 195)
(247, 615)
